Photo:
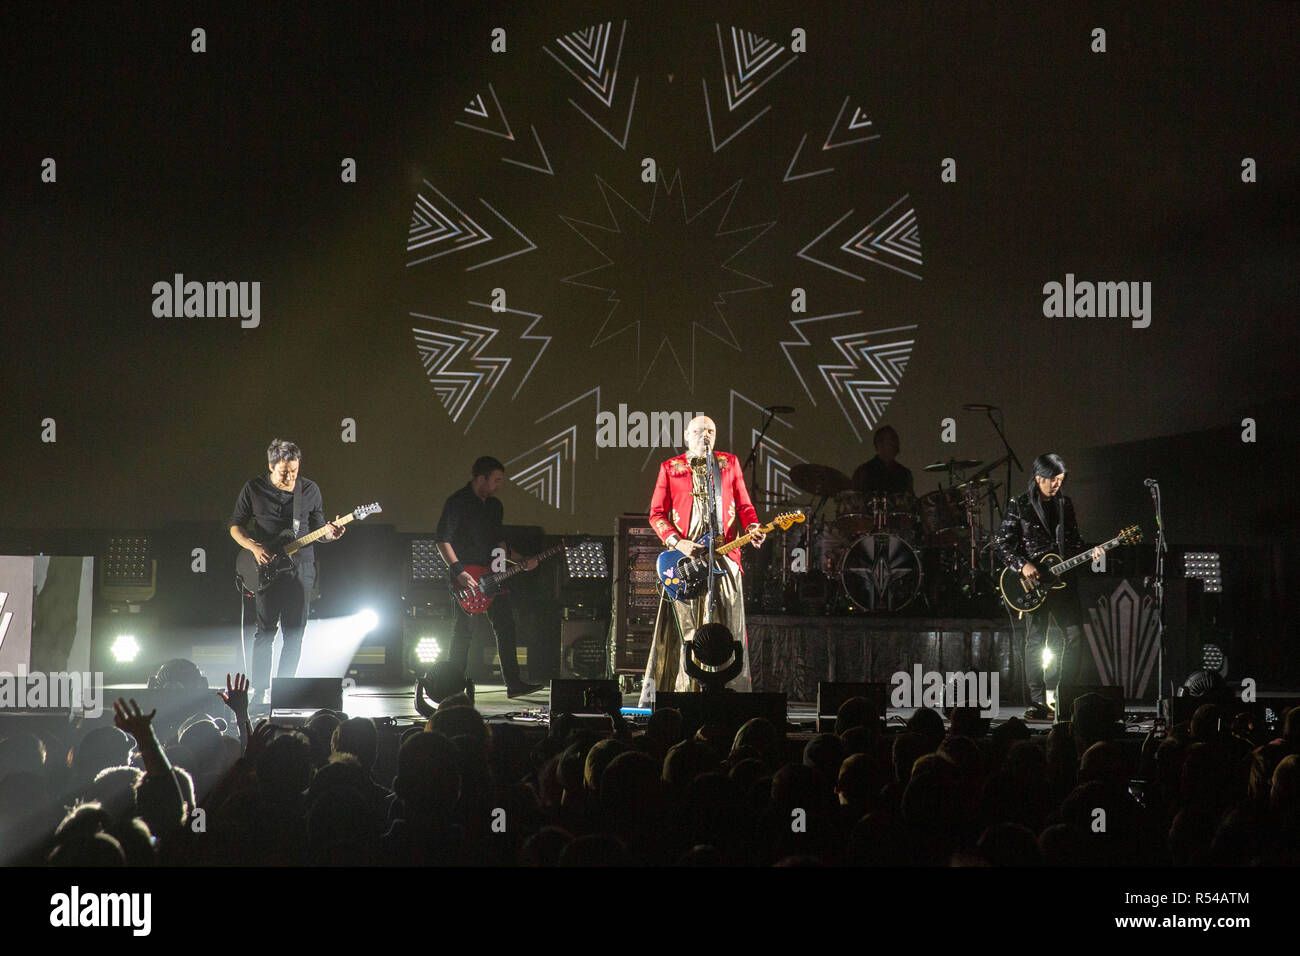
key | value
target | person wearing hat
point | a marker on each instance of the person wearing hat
(1039, 521)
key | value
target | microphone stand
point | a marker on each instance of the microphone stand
(1011, 456)
(1159, 585)
(712, 493)
(752, 461)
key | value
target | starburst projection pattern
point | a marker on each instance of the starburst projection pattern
(1123, 630)
(524, 336)
(588, 50)
(858, 124)
(747, 63)
(546, 469)
(452, 355)
(892, 240)
(664, 297)
(696, 280)
(863, 385)
(433, 226)
(478, 108)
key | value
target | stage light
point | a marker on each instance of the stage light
(1204, 565)
(128, 573)
(125, 648)
(427, 650)
(586, 560)
(128, 562)
(713, 656)
(427, 565)
(366, 620)
(1213, 659)
(1048, 657)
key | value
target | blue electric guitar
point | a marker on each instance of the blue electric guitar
(684, 579)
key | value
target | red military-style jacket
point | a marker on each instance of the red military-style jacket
(670, 508)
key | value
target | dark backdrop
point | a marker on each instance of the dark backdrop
(225, 165)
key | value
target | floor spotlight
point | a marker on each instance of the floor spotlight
(713, 656)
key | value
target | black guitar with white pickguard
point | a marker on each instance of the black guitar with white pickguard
(254, 578)
(1021, 596)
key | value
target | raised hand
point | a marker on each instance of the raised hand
(129, 718)
(261, 737)
(235, 696)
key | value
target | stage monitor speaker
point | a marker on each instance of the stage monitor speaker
(727, 709)
(585, 696)
(831, 695)
(307, 693)
(1113, 694)
(584, 649)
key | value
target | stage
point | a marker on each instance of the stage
(395, 701)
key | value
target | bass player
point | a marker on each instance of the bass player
(468, 531)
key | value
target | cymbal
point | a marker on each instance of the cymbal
(991, 465)
(971, 482)
(771, 497)
(822, 480)
(953, 464)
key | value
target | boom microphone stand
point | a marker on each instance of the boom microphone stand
(752, 461)
(712, 500)
(1158, 585)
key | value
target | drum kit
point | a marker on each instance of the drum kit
(880, 553)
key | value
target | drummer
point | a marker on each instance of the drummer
(883, 474)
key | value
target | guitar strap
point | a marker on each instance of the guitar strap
(297, 511)
(716, 472)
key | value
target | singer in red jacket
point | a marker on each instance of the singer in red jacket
(679, 515)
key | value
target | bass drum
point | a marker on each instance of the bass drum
(881, 572)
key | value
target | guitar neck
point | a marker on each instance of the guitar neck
(743, 539)
(1078, 559)
(299, 543)
(511, 572)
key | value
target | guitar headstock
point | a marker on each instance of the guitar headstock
(788, 519)
(1130, 535)
(361, 513)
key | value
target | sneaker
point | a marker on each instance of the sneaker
(523, 690)
(1039, 712)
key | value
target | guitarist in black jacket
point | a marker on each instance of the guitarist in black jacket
(1039, 521)
(268, 501)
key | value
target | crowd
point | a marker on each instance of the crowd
(457, 791)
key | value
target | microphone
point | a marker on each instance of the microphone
(779, 409)
(981, 408)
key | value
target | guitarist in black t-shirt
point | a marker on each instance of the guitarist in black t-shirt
(266, 508)
(469, 529)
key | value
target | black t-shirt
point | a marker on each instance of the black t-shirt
(875, 477)
(471, 525)
(271, 511)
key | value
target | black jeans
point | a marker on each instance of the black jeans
(503, 625)
(1062, 607)
(286, 603)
